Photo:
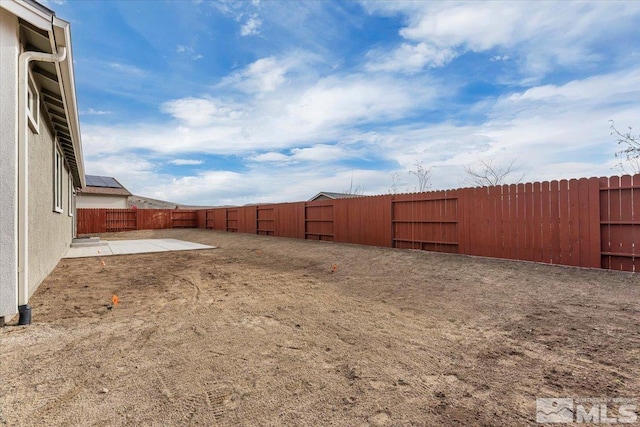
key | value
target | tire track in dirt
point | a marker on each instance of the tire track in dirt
(196, 399)
(52, 413)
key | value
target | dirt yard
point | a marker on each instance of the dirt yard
(262, 331)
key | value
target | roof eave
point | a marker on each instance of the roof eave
(32, 12)
(58, 34)
(62, 38)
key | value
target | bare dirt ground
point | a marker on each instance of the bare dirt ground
(261, 332)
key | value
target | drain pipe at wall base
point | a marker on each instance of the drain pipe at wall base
(22, 213)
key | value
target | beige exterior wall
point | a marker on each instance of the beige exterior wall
(50, 232)
(85, 201)
(9, 51)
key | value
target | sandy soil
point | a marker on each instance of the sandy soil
(261, 332)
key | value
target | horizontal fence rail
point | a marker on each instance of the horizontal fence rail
(588, 222)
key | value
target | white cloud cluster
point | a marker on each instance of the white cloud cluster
(557, 131)
(197, 112)
(294, 126)
(263, 75)
(274, 116)
(251, 27)
(247, 13)
(185, 162)
(556, 33)
(409, 58)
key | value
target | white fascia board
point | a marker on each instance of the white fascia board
(62, 37)
(29, 13)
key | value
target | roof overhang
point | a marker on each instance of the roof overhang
(42, 31)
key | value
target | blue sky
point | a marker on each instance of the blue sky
(230, 102)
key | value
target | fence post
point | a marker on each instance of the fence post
(594, 223)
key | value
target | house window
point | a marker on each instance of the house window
(72, 194)
(33, 105)
(57, 180)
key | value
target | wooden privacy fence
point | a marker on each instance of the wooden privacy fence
(588, 222)
(108, 220)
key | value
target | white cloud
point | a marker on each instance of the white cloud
(126, 70)
(290, 116)
(130, 169)
(270, 73)
(560, 33)
(265, 75)
(93, 112)
(409, 58)
(356, 99)
(251, 27)
(185, 162)
(616, 87)
(321, 153)
(480, 26)
(196, 112)
(270, 157)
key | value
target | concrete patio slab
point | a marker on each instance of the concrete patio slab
(124, 247)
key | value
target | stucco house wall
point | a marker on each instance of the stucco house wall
(9, 50)
(88, 201)
(50, 232)
(34, 232)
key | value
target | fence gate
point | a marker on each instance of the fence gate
(319, 222)
(232, 220)
(266, 220)
(184, 219)
(427, 223)
(620, 222)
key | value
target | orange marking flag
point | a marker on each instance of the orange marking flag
(115, 300)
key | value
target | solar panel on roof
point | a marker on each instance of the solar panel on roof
(102, 181)
(91, 180)
(110, 182)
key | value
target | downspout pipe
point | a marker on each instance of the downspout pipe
(23, 175)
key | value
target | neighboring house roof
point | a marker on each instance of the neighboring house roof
(329, 195)
(103, 185)
(42, 31)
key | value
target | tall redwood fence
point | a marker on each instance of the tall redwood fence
(108, 220)
(588, 222)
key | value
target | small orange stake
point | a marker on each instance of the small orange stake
(334, 268)
(115, 300)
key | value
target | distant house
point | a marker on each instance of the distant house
(41, 159)
(325, 195)
(103, 192)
